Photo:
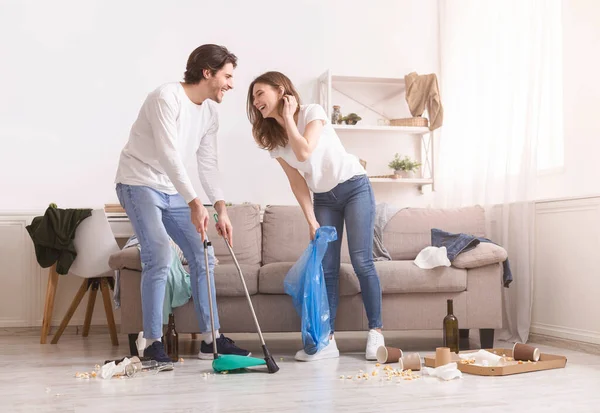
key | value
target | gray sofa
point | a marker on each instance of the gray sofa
(413, 298)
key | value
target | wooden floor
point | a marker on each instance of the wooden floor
(40, 378)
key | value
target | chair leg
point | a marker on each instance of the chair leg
(112, 328)
(132, 346)
(90, 307)
(49, 303)
(74, 304)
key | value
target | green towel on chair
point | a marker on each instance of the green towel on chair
(53, 235)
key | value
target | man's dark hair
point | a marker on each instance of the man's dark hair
(208, 56)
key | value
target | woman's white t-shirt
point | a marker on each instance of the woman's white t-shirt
(329, 164)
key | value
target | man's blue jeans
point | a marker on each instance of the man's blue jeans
(156, 216)
(351, 201)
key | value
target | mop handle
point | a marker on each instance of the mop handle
(210, 302)
(237, 265)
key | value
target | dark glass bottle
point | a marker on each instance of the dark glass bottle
(451, 329)
(171, 340)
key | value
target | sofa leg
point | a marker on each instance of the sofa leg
(487, 337)
(132, 346)
(463, 335)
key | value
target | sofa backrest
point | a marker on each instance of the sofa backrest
(285, 231)
(409, 231)
(284, 234)
(247, 240)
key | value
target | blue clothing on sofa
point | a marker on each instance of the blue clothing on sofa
(458, 243)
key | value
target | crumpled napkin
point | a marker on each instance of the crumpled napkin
(431, 257)
(111, 369)
(446, 372)
(482, 358)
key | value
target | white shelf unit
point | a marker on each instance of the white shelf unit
(405, 181)
(409, 130)
(380, 91)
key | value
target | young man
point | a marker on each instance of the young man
(177, 123)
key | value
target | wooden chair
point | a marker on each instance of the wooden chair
(94, 243)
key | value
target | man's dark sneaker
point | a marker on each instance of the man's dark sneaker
(156, 351)
(224, 346)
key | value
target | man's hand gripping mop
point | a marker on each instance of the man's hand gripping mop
(229, 362)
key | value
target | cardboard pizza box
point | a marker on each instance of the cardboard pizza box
(546, 362)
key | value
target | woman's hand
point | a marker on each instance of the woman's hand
(290, 105)
(313, 227)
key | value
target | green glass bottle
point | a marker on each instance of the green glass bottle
(451, 329)
(171, 340)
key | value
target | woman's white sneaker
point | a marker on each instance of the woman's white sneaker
(374, 341)
(329, 352)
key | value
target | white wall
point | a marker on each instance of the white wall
(566, 270)
(581, 90)
(566, 278)
(74, 75)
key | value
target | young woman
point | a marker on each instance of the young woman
(306, 146)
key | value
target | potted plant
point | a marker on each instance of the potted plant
(351, 119)
(404, 167)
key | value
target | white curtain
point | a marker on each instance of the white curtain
(501, 89)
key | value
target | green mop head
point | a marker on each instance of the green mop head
(229, 362)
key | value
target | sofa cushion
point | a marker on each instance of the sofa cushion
(409, 231)
(271, 276)
(247, 241)
(398, 277)
(227, 280)
(285, 235)
(483, 254)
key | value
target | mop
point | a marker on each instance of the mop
(229, 362)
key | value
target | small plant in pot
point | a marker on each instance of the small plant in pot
(351, 119)
(404, 167)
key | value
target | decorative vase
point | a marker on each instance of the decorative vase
(336, 116)
(404, 174)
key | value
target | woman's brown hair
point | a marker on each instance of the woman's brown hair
(266, 131)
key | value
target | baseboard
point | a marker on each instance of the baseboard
(71, 329)
(13, 323)
(564, 343)
(584, 336)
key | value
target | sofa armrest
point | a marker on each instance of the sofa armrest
(127, 258)
(483, 254)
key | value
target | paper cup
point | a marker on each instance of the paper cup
(442, 356)
(388, 354)
(523, 352)
(411, 362)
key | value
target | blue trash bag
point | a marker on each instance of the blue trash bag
(305, 283)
